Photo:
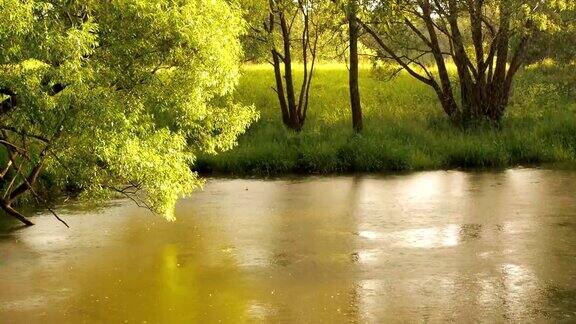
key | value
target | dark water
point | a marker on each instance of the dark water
(425, 247)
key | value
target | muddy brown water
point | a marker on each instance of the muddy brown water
(424, 247)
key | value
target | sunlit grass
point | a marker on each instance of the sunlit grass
(405, 128)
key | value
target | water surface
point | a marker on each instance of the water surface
(424, 247)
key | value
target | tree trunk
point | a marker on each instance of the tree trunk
(295, 123)
(280, 89)
(355, 104)
(14, 213)
(446, 94)
(293, 109)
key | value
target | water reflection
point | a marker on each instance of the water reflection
(433, 246)
(427, 238)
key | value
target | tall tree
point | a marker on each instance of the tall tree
(115, 96)
(353, 78)
(292, 30)
(283, 16)
(485, 39)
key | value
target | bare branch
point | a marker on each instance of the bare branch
(395, 56)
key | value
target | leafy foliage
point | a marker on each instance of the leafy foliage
(119, 95)
(487, 40)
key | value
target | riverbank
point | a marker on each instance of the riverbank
(404, 127)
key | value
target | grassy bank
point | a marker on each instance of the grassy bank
(404, 127)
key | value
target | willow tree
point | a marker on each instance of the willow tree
(485, 39)
(115, 96)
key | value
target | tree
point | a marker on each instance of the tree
(115, 96)
(350, 8)
(290, 29)
(485, 39)
(283, 15)
(353, 32)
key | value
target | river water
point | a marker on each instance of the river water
(422, 247)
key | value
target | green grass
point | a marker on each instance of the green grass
(404, 127)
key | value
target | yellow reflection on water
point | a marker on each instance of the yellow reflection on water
(173, 290)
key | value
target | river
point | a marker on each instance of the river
(423, 247)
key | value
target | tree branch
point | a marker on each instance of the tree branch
(394, 56)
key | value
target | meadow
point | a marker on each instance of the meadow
(405, 128)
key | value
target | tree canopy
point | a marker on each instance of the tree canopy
(487, 40)
(116, 96)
